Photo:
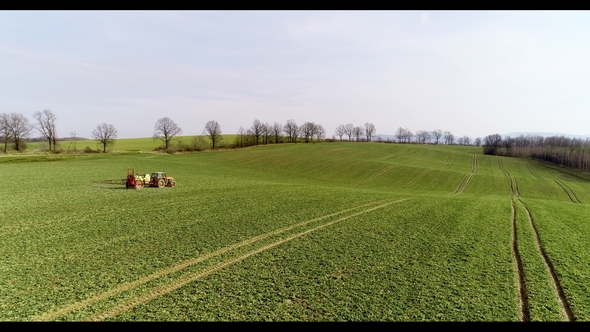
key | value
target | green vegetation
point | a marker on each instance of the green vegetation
(339, 231)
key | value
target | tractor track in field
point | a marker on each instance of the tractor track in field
(557, 288)
(163, 290)
(379, 173)
(52, 315)
(417, 178)
(523, 298)
(467, 178)
(514, 190)
(449, 158)
(534, 173)
(569, 192)
(420, 158)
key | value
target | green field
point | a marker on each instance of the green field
(127, 144)
(339, 231)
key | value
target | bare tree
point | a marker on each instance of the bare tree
(241, 138)
(4, 129)
(466, 140)
(256, 129)
(165, 130)
(423, 136)
(213, 131)
(46, 126)
(276, 131)
(105, 134)
(19, 128)
(307, 131)
(358, 132)
(477, 141)
(266, 132)
(400, 134)
(340, 131)
(369, 131)
(292, 130)
(437, 134)
(408, 135)
(449, 138)
(492, 143)
(320, 132)
(349, 130)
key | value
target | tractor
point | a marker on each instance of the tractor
(157, 179)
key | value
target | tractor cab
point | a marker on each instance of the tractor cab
(158, 175)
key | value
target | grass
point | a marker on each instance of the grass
(290, 232)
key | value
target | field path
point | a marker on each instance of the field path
(148, 296)
(182, 265)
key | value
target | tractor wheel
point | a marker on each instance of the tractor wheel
(161, 183)
(138, 185)
(172, 183)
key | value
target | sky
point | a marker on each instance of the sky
(473, 73)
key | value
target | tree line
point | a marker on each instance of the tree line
(573, 153)
(15, 128)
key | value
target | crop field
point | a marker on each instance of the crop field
(130, 144)
(341, 231)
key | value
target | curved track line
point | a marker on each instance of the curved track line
(417, 178)
(420, 159)
(467, 178)
(523, 299)
(449, 158)
(181, 265)
(146, 297)
(380, 172)
(566, 191)
(534, 173)
(563, 303)
(569, 192)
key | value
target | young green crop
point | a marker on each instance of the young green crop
(340, 231)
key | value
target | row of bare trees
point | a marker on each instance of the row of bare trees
(559, 150)
(265, 133)
(350, 130)
(404, 135)
(15, 127)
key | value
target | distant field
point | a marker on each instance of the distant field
(339, 231)
(128, 144)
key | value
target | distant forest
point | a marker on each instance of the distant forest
(573, 153)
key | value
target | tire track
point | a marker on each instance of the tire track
(417, 178)
(449, 158)
(420, 159)
(557, 288)
(534, 173)
(569, 192)
(182, 265)
(523, 299)
(514, 191)
(163, 290)
(467, 178)
(379, 173)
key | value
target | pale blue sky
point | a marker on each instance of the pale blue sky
(472, 73)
